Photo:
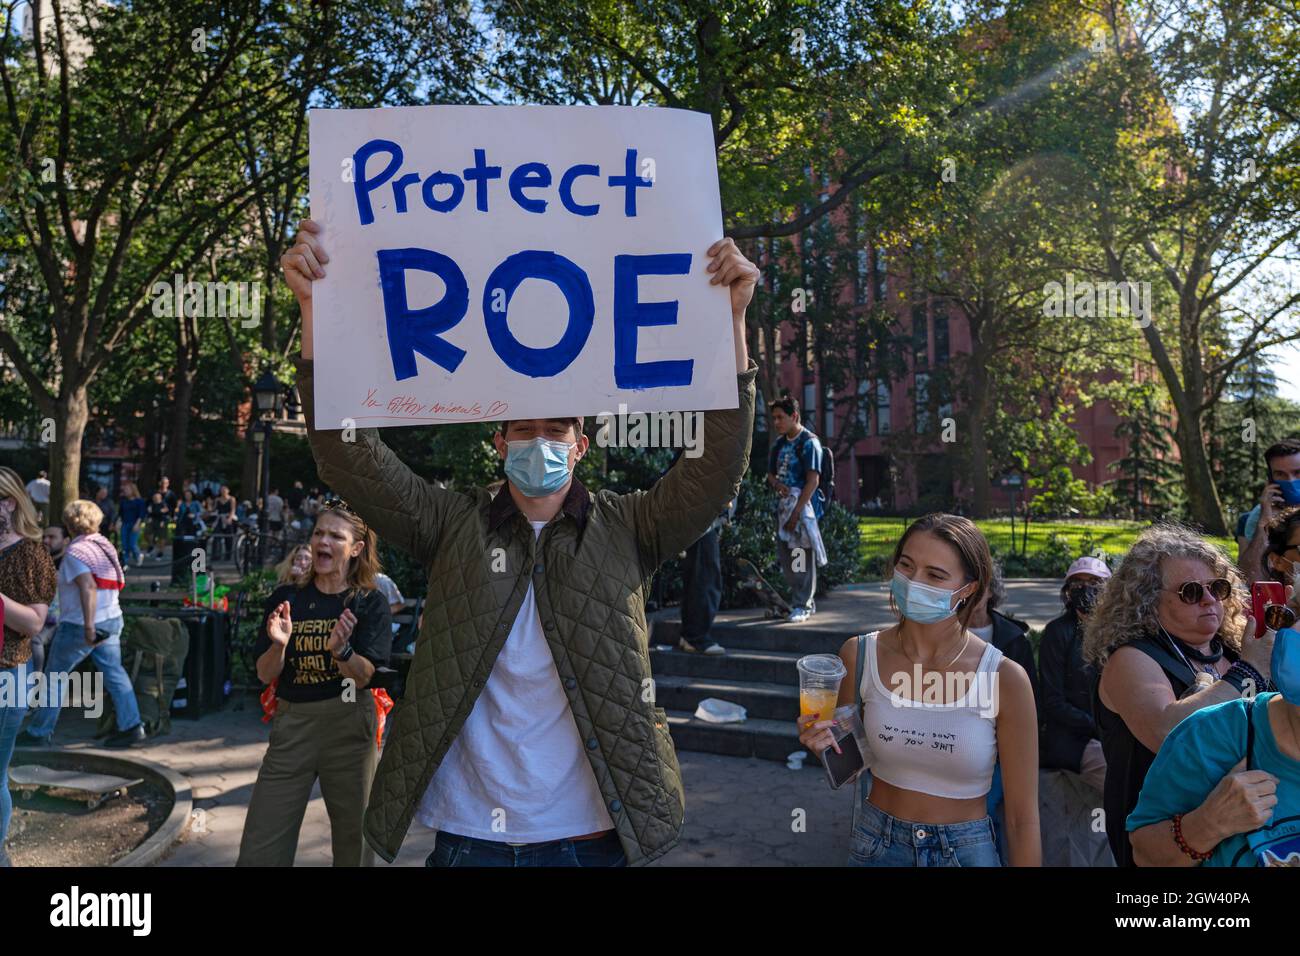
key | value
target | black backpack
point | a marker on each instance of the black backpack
(826, 483)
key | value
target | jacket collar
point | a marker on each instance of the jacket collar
(576, 505)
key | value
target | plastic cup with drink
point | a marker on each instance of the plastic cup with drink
(819, 684)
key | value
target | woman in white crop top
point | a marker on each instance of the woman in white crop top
(940, 708)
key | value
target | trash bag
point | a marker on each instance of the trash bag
(717, 711)
(153, 652)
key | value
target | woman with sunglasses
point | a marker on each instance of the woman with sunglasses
(322, 640)
(1200, 804)
(1169, 634)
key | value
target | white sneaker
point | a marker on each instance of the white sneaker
(798, 615)
(715, 650)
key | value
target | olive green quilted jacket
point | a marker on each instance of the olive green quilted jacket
(590, 568)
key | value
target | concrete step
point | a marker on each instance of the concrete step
(764, 635)
(764, 700)
(771, 667)
(756, 737)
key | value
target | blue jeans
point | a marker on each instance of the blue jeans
(453, 850)
(66, 651)
(13, 704)
(882, 840)
(130, 542)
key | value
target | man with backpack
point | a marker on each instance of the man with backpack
(794, 470)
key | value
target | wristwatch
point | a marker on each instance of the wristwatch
(346, 653)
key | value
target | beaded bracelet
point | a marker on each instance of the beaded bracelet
(1177, 824)
(1240, 672)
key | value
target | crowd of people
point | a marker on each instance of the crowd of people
(526, 737)
(1157, 686)
(143, 526)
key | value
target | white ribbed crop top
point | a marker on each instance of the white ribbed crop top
(945, 750)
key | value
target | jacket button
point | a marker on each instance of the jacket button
(570, 683)
(537, 569)
(550, 625)
(478, 683)
(615, 806)
(592, 743)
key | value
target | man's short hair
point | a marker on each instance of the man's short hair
(788, 405)
(575, 422)
(1283, 449)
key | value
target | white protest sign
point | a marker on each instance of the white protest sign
(516, 262)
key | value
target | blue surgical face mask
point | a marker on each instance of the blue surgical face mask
(1285, 664)
(921, 603)
(538, 467)
(1290, 490)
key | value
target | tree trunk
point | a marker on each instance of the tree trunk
(1198, 477)
(248, 477)
(187, 358)
(71, 414)
(978, 386)
(979, 462)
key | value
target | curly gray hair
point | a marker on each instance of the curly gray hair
(1126, 609)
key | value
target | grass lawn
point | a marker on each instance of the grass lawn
(879, 535)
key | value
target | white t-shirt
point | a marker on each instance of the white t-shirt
(274, 508)
(518, 763)
(106, 606)
(39, 490)
(388, 587)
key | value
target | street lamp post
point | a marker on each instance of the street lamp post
(269, 393)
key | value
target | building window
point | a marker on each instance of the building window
(923, 423)
(809, 415)
(864, 407)
(882, 408)
(941, 335)
(920, 336)
(863, 278)
(830, 414)
(881, 274)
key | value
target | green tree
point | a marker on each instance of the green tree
(1147, 481)
(125, 124)
(1198, 188)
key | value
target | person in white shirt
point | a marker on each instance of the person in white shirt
(90, 624)
(39, 491)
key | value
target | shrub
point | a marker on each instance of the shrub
(752, 535)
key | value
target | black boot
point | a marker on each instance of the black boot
(127, 738)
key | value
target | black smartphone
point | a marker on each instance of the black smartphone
(843, 766)
(101, 636)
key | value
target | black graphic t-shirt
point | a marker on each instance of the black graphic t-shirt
(310, 671)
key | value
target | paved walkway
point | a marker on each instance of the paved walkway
(739, 811)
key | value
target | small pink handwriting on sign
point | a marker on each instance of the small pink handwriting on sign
(410, 408)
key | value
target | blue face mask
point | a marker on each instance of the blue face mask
(1285, 664)
(919, 602)
(1290, 490)
(538, 467)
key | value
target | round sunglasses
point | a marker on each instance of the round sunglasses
(1278, 617)
(1191, 592)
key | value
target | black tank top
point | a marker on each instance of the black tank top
(1127, 760)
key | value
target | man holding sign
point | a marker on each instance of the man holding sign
(528, 733)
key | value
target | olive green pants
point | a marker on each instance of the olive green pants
(330, 740)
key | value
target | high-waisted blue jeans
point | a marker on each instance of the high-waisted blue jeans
(882, 840)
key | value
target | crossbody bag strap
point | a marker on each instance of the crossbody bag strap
(1250, 733)
(857, 700)
(857, 682)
